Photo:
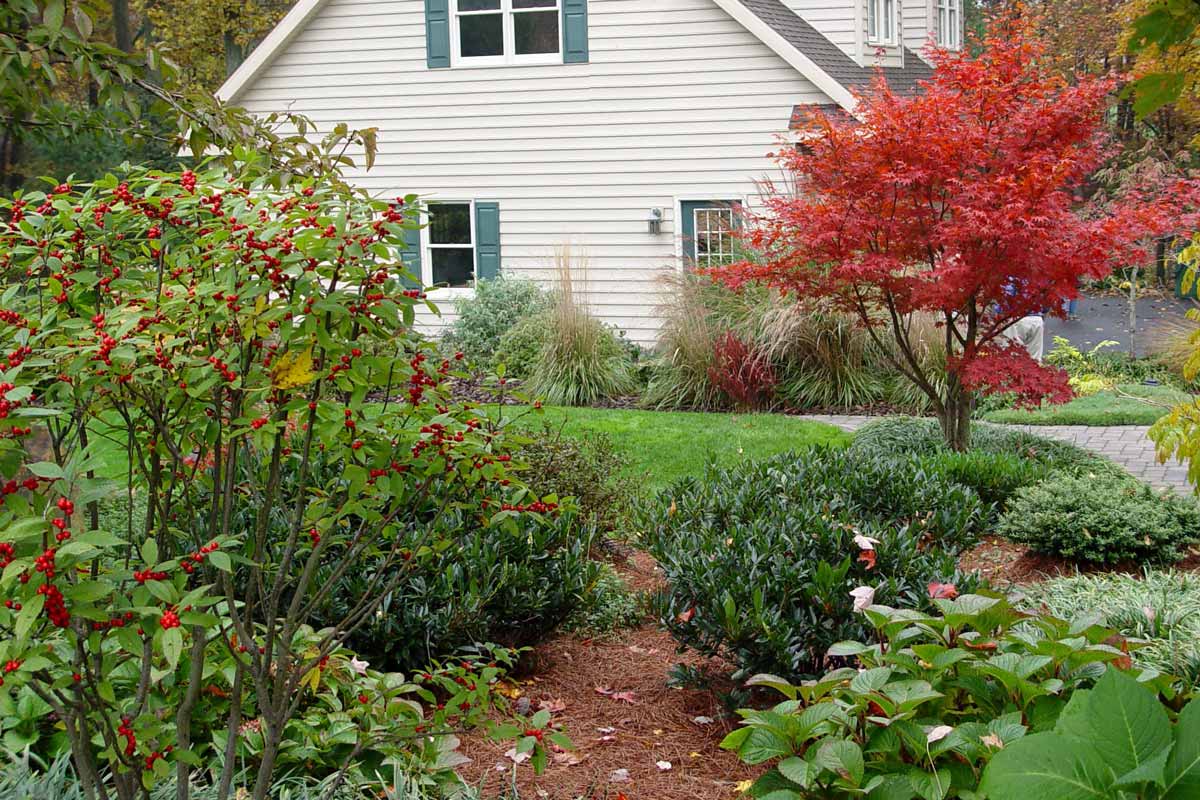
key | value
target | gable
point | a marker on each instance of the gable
(782, 30)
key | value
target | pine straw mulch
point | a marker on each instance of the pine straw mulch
(1006, 564)
(611, 697)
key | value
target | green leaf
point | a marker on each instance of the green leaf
(172, 646)
(46, 469)
(220, 560)
(52, 18)
(150, 551)
(842, 757)
(30, 611)
(83, 23)
(762, 745)
(1152, 92)
(1148, 772)
(1134, 724)
(1182, 775)
(930, 785)
(848, 649)
(796, 770)
(1047, 766)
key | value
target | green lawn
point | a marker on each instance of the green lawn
(1128, 404)
(663, 446)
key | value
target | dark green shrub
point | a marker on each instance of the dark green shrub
(521, 346)
(608, 607)
(485, 316)
(922, 436)
(1102, 519)
(587, 468)
(761, 557)
(490, 586)
(940, 706)
(993, 476)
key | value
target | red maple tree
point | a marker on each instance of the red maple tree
(959, 201)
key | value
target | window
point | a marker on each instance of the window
(949, 23)
(507, 31)
(881, 21)
(708, 231)
(451, 245)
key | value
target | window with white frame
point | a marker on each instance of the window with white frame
(714, 236)
(949, 23)
(451, 245)
(507, 31)
(881, 21)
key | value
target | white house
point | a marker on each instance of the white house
(533, 124)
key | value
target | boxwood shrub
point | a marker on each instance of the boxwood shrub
(1102, 519)
(761, 557)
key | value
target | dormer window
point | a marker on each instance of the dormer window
(881, 22)
(949, 23)
(507, 32)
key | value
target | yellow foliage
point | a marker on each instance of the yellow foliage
(293, 369)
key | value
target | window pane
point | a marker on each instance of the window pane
(535, 3)
(453, 266)
(481, 35)
(478, 5)
(536, 32)
(450, 223)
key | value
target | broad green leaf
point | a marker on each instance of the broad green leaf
(930, 785)
(1047, 766)
(1182, 775)
(1134, 725)
(796, 770)
(762, 745)
(842, 757)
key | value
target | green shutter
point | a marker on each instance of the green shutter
(487, 244)
(411, 257)
(575, 31)
(437, 33)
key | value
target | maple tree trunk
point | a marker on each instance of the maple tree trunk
(955, 418)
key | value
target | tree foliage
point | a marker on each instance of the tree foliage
(961, 201)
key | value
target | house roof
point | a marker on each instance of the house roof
(829, 57)
(783, 30)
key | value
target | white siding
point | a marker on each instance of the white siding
(837, 20)
(916, 23)
(679, 102)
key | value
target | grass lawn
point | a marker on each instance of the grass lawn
(663, 446)
(1128, 404)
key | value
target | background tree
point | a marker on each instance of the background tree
(957, 202)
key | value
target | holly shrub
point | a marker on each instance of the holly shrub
(1102, 519)
(187, 340)
(929, 699)
(761, 557)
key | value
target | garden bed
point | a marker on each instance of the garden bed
(611, 696)
(1006, 564)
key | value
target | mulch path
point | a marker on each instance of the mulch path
(635, 737)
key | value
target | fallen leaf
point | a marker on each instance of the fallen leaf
(619, 776)
(606, 730)
(663, 766)
(565, 759)
(625, 697)
(554, 706)
(515, 757)
(703, 720)
(686, 616)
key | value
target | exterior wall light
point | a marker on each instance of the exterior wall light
(655, 221)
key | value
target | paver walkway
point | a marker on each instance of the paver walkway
(1128, 445)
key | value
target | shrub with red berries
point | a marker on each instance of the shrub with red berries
(196, 342)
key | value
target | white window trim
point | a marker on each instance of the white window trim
(728, 235)
(953, 25)
(510, 57)
(427, 248)
(881, 13)
(684, 259)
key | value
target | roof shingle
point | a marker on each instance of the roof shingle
(829, 57)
